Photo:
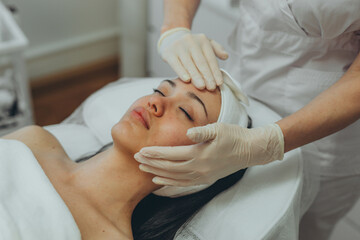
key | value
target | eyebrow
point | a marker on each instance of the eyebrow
(173, 84)
(192, 95)
(189, 94)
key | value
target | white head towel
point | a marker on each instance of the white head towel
(232, 112)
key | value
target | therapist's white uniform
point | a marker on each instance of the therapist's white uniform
(285, 53)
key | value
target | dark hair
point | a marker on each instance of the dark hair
(160, 218)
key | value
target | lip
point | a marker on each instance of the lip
(142, 115)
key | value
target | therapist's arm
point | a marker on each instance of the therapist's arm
(179, 13)
(226, 148)
(331, 111)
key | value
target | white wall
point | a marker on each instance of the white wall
(133, 23)
(67, 33)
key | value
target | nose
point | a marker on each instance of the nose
(156, 105)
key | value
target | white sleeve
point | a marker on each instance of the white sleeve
(326, 18)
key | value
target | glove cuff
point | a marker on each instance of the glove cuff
(179, 30)
(279, 141)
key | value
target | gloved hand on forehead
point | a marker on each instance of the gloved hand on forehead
(192, 57)
(222, 149)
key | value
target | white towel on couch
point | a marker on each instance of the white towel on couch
(30, 207)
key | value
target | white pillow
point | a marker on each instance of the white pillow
(263, 205)
(77, 140)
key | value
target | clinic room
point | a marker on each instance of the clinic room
(180, 119)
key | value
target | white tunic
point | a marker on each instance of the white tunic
(286, 52)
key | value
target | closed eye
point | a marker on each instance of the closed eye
(158, 91)
(183, 110)
(187, 114)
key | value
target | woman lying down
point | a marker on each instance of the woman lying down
(107, 196)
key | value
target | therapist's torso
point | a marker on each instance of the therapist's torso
(286, 52)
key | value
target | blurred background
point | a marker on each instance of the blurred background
(54, 54)
(75, 47)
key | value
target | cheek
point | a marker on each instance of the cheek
(170, 133)
(139, 102)
(124, 135)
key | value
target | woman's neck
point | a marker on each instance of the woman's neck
(113, 184)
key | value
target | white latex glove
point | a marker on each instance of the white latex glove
(192, 57)
(222, 149)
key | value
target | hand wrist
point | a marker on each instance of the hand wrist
(167, 27)
(279, 151)
(172, 33)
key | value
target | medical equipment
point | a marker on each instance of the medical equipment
(15, 107)
(238, 213)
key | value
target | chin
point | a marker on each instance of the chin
(127, 137)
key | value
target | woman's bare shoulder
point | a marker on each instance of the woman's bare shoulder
(32, 135)
(39, 140)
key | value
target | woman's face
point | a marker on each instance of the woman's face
(163, 118)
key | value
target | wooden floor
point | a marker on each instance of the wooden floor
(56, 97)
